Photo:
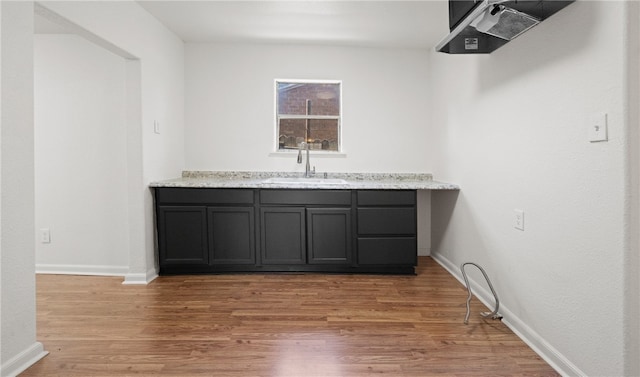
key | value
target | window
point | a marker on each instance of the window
(308, 111)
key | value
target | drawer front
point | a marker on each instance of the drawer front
(203, 196)
(386, 198)
(312, 197)
(387, 221)
(388, 251)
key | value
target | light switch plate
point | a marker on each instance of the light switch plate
(156, 126)
(597, 127)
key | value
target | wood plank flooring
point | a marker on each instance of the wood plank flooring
(273, 325)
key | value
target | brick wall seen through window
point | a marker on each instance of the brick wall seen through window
(308, 111)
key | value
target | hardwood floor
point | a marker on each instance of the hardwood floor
(273, 325)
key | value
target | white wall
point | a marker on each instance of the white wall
(229, 97)
(154, 82)
(229, 107)
(511, 129)
(18, 346)
(632, 262)
(80, 156)
(158, 70)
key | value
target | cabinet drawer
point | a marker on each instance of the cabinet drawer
(388, 251)
(386, 198)
(387, 221)
(298, 197)
(203, 196)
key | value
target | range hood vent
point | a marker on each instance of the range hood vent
(482, 26)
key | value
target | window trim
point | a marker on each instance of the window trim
(277, 117)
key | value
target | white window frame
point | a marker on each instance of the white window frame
(278, 116)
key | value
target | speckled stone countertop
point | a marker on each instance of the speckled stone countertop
(362, 181)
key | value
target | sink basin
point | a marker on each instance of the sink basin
(309, 181)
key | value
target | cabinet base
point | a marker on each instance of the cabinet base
(372, 269)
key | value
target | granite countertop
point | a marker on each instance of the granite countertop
(341, 181)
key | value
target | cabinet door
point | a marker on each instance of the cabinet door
(282, 233)
(231, 235)
(182, 235)
(329, 235)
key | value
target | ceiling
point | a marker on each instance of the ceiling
(405, 24)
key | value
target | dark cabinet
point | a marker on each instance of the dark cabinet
(282, 235)
(387, 221)
(387, 251)
(231, 235)
(299, 235)
(387, 228)
(183, 233)
(306, 227)
(329, 235)
(203, 230)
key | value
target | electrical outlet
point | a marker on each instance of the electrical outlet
(45, 235)
(519, 219)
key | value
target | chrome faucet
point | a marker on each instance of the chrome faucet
(307, 169)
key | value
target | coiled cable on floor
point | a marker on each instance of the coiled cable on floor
(494, 314)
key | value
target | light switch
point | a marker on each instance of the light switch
(597, 127)
(156, 126)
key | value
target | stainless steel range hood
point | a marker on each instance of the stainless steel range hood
(480, 27)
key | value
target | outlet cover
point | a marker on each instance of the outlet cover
(45, 235)
(519, 219)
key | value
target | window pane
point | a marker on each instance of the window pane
(292, 133)
(308, 111)
(308, 98)
(322, 134)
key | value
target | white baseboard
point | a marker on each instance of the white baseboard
(64, 269)
(538, 344)
(23, 360)
(140, 279)
(129, 278)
